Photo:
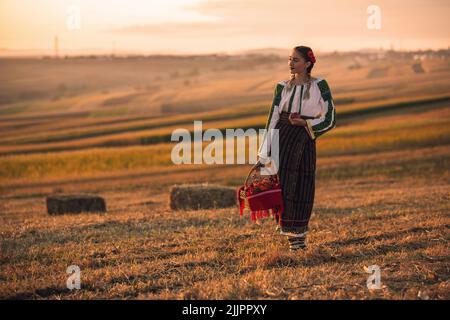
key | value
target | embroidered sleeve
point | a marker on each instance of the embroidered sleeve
(274, 116)
(327, 119)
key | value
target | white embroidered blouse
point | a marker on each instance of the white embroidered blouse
(319, 106)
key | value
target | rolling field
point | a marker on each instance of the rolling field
(382, 188)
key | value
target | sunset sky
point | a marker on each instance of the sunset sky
(200, 26)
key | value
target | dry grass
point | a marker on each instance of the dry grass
(141, 249)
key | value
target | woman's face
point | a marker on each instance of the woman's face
(296, 63)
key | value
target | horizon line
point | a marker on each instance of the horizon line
(12, 53)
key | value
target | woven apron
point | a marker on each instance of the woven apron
(297, 168)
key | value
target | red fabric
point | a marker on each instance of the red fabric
(263, 204)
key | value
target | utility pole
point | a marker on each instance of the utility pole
(56, 47)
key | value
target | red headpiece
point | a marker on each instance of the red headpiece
(311, 56)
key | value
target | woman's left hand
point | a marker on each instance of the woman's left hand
(297, 121)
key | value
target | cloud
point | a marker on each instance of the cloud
(202, 28)
(328, 23)
(263, 18)
(340, 18)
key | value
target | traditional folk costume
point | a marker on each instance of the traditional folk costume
(297, 149)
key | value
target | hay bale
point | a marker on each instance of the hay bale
(75, 203)
(417, 68)
(201, 196)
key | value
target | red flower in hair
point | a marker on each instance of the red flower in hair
(311, 56)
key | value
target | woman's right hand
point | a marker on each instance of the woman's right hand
(258, 165)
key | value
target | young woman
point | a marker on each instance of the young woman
(302, 110)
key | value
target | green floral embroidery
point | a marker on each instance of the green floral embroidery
(276, 101)
(324, 90)
(330, 116)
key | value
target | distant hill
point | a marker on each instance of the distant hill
(265, 51)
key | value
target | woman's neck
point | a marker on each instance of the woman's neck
(301, 78)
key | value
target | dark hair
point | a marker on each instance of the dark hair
(308, 55)
(304, 52)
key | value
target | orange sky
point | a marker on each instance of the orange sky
(199, 26)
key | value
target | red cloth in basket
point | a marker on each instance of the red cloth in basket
(264, 198)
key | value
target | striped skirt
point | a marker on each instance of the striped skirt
(297, 168)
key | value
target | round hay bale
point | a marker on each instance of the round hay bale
(75, 203)
(201, 196)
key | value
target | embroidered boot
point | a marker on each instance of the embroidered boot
(296, 243)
